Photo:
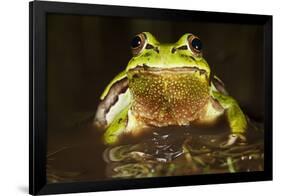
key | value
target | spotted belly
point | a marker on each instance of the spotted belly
(168, 97)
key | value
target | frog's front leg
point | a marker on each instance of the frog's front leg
(116, 127)
(235, 116)
(124, 123)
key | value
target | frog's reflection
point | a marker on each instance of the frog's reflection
(174, 152)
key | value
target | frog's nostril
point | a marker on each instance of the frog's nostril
(173, 50)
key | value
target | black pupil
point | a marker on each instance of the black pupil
(136, 42)
(197, 44)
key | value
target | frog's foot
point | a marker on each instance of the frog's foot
(234, 138)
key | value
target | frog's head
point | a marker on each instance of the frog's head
(184, 55)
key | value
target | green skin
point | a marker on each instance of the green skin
(172, 88)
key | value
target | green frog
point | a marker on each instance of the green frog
(166, 85)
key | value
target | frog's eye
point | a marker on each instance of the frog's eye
(195, 44)
(138, 43)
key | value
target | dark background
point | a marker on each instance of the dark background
(86, 52)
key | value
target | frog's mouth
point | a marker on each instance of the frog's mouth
(144, 69)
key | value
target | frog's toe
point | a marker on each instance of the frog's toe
(233, 139)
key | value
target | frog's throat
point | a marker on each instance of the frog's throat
(164, 97)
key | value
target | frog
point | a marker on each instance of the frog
(166, 84)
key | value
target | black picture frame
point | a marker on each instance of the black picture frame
(38, 97)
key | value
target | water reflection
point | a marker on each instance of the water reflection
(187, 151)
(169, 151)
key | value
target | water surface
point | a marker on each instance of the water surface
(78, 154)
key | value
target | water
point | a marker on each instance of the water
(78, 154)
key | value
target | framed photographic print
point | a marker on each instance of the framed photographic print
(130, 97)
